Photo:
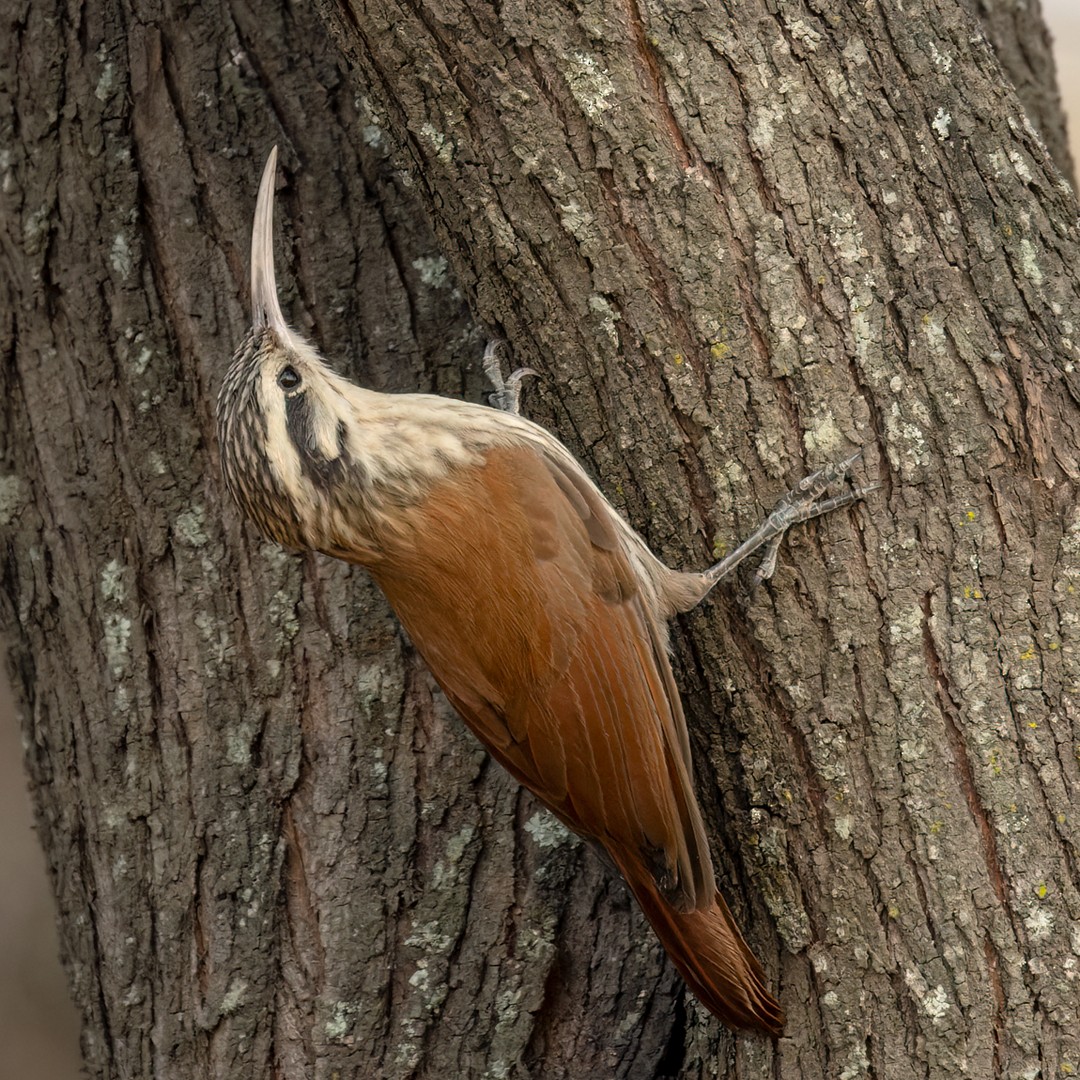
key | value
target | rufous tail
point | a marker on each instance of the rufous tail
(718, 966)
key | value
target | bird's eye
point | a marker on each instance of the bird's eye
(288, 379)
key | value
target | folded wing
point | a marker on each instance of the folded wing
(531, 621)
(518, 593)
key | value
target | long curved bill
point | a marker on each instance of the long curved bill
(265, 310)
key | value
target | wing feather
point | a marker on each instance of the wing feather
(532, 622)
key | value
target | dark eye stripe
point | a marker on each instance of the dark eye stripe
(300, 424)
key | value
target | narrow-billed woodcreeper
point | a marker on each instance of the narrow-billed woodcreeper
(540, 612)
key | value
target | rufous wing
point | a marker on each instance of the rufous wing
(518, 594)
(540, 639)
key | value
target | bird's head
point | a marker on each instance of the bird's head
(283, 415)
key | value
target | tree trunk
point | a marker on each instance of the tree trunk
(736, 246)
(1023, 46)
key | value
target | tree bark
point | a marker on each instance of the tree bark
(737, 246)
(1025, 50)
(775, 235)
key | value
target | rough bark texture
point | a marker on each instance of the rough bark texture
(779, 234)
(737, 245)
(1024, 48)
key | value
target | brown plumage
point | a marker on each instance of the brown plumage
(540, 612)
(547, 650)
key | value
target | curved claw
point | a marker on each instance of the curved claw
(506, 394)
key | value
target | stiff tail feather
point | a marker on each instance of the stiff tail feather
(718, 966)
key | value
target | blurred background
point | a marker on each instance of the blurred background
(38, 1026)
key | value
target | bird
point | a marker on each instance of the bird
(540, 612)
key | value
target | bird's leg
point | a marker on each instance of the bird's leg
(801, 503)
(507, 392)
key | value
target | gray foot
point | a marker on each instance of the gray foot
(507, 392)
(801, 503)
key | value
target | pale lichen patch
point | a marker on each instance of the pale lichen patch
(380, 771)
(237, 748)
(407, 1055)
(806, 35)
(1039, 923)
(908, 239)
(276, 557)
(1021, 166)
(12, 498)
(835, 83)
(120, 255)
(117, 637)
(142, 362)
(106, 82)
(824, 435)
(843, 826)
(281, 612)
(942, 61)
(547, 831)
(1029, 262)
(36, 230)
(575, 220)
(858, 1064)
(429, 937)
(190, 527)
(536, 943)
(608, 317)
(215, 635)
(763, 126)
(447, 869)
(589, 83)
(865, 328)
(907, 625)
(507, 1005)
(434, 271)
(112, 582)
(935, 334)
(233, 996)
(940, 124)
(936, 1004)
(846, 237)
(907, 432)
(933, 1001)
(341, 1020)
(444, 146)
(999, 163)
(369, 110)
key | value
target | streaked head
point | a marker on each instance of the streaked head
(283, 415)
